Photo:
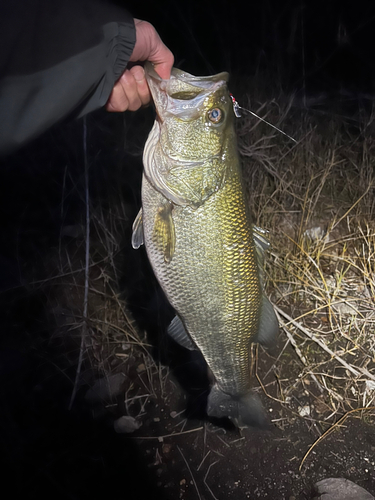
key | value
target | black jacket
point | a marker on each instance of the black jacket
(57, 60)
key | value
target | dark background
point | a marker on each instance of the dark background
(324, 45)
(305, 47)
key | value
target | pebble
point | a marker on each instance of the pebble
(126, 425)
(340, 489)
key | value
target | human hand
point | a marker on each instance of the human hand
(131, 90)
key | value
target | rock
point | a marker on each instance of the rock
(345, 308)
(105, 388)
(126, 425)
(304, 411)
(316, 233)
(340, 489)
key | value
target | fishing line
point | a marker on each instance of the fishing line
(237, 112)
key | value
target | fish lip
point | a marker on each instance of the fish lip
(187, 163)
(177, 162)
(190, 163)
(205, 81)
(159, 86)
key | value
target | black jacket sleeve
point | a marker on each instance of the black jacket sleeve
(57, 59)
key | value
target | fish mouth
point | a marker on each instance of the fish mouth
(182, 97)
(203, 82)
(183, 94)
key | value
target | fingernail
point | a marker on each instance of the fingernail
(138, 73)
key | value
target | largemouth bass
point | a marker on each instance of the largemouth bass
(196, 228)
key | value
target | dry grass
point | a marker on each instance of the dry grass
(113, 342)
(317, 200)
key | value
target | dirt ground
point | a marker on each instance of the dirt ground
(212, 462)
(176, 452)
(50, 450)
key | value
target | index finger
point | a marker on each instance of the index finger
(163, 60)
(150, 47)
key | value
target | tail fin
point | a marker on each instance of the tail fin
(245, 411)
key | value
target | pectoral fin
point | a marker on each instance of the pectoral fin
(137, 235)
(178, 333)
(164, 229)
(268, 324)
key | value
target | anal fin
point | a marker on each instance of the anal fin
(268, 324)
(177, 331)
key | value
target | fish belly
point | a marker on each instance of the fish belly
(212, 279)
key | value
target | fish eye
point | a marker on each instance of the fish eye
(215, 115)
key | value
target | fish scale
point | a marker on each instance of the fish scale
(199, 239)
(212, 280)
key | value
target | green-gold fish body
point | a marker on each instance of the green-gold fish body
(198, 235)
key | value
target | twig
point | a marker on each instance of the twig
(204, 458)
(265, 392)
(331, 429)
(277, 359)
(311, 336)
(205, 479)
(222, 440)
(187, 465)
(259, 380)
(351, 208)
(298, 351)
(87, 267)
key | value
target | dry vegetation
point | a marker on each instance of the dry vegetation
(316, 199)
